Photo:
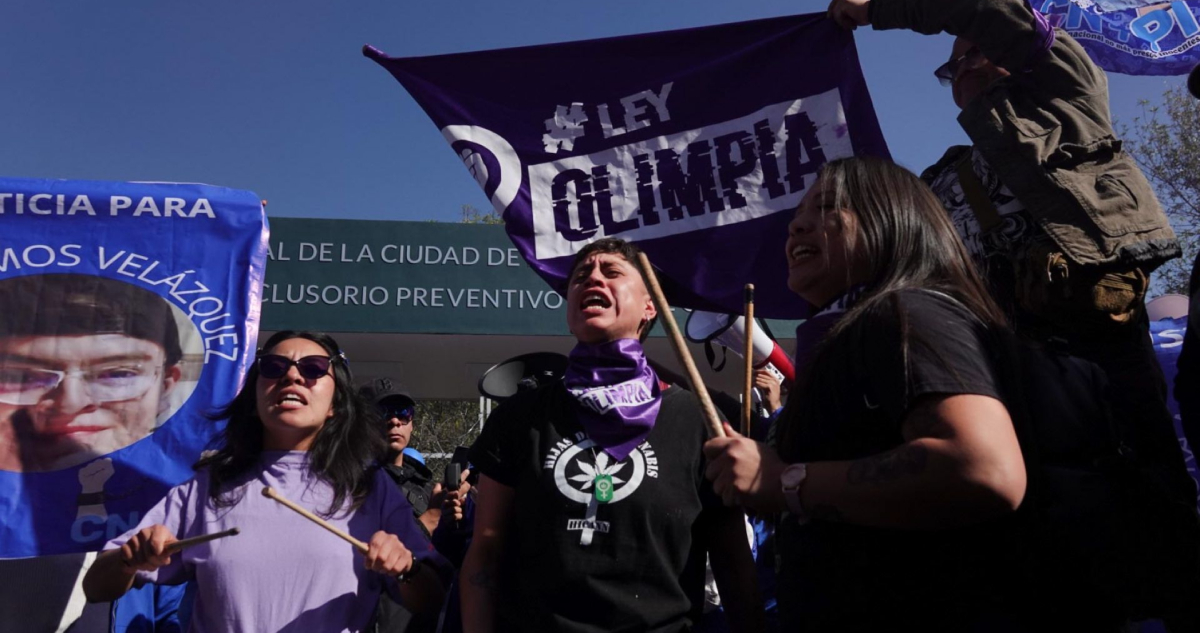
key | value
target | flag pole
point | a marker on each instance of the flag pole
(681, 351)
(748, 358)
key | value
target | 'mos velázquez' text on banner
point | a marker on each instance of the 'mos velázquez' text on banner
(204, 307)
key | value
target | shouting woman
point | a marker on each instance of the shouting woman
(593, 513)
(299, 427)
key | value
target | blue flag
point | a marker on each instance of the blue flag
(1134, 37)
(1167, 336)
(696, 144)
(130, 311)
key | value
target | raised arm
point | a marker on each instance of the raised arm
(1007, 32)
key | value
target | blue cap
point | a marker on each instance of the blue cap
(415, 454)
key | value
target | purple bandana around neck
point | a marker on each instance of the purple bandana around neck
(812, 331)
(617, 393)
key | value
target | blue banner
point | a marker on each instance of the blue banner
(1133, 37)
(1167, 336)
(696, 144)
(130, 311)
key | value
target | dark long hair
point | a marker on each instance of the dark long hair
(340, 454)
(906, 241)
(905, 236)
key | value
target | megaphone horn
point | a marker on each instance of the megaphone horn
(730, 331)
(507, 378)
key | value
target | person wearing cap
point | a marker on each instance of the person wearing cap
(407, 469)
(397, 409)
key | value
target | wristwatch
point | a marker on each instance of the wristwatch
(793, 478)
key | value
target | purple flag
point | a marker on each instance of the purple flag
(696, 144)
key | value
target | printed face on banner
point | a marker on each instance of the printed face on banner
(715, 176)
(68, 398)
(127, 311)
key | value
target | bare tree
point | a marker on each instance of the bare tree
(1165, 140)
(441, 426)
(472, 215)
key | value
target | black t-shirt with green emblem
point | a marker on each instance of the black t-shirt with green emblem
(574, 563)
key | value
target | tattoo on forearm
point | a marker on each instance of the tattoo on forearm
(485, 578)
(890, 466)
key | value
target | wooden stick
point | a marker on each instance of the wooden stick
(271, 494)
(681, 350)
(196, 540)
(749, 359)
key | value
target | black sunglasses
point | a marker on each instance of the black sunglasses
(948, 72)
(274, 366)
(401, 413)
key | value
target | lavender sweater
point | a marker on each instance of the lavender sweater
(282, 572)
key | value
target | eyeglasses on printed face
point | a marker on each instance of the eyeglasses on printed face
(947, 73)
(404, 414)
(274, 366)
(23, 385)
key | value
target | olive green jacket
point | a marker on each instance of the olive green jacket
(1046, 131)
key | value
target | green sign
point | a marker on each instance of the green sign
(408, 277)
(412, 277)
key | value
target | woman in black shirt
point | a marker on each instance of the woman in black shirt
(593, 513)
(898, 467)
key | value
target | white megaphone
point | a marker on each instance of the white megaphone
(729, 330)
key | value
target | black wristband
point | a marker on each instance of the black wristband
(412, 571)
(90, 499)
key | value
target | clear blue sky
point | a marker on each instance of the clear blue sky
(275, 97)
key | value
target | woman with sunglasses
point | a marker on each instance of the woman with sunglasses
(299, 427)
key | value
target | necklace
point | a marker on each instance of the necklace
(602, 482)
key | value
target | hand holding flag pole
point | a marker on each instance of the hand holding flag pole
(681, 350)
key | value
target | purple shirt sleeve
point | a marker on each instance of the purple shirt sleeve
(175, 512)
(397, 518)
